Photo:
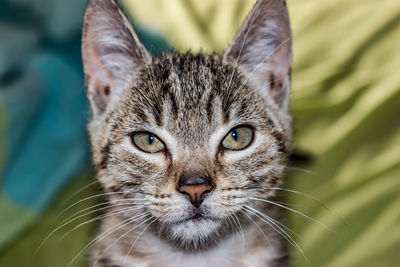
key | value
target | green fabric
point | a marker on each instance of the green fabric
(56, 251)
(346, 103)
(14, 217)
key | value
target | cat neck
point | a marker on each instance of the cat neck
(247, 248)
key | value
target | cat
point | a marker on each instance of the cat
(190, 149)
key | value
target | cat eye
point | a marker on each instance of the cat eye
(148, 142)
(238, 138)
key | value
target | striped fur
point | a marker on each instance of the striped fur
(190, 101)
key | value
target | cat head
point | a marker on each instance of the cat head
(189, 140)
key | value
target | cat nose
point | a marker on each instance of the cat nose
(196, 188)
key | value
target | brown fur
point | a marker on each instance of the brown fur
(190, 102)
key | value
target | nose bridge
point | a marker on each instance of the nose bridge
(194, 165)
(195, 181)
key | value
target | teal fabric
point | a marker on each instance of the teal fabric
(43, 107)
(51, 145)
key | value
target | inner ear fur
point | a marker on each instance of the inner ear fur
(111, 53)
(263, 48)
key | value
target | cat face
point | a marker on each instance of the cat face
(188, 139)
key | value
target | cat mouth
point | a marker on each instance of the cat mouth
(197, 218)
(197, 231)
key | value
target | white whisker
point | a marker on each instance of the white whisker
(137, 238)
(241, 48)
(266, 238)
(80, 190)
(107, 205)
(88, 198)
(107, 232)
(293, 210)
(263, 61)
(241, 230)
(119, 238)
(302, 170)
(101, 217)
(278, 229)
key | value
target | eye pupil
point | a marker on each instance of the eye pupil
(235, 134)
(150, 139)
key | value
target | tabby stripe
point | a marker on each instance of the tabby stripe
(281, 143)
(209, 107)
(105, 156)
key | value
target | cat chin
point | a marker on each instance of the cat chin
(194, 235)
(194, 229)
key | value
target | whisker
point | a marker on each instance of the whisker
(280, 230)
(107, 204)
(109, 231)
(119, 238)
(162, 225)
(87, 198)
(230, 217)
(270, 55)
(314, 199)
(241, 230)
(101, 217)
(263, 61)
(295, 211)
(338, 217)
(272, 224)
(137, 238)
(277, 222)
(236, 220)
(79, 191)
(242, 46)
(291, 204)
(68, 222)
(266, 238)
(302, 170)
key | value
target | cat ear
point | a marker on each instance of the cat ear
(111, 53)
(263, 48)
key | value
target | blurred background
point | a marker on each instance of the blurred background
(345, 102)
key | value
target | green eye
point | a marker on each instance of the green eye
(238, 138)
(148, 142)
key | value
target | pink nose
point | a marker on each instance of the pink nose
(196, 187)
(195, 192)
